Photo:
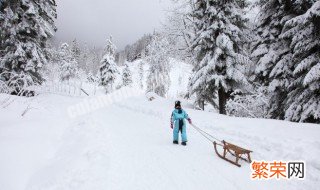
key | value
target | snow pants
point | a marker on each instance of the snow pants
(183, 133)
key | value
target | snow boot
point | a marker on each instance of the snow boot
(184, 143)
(175, 142)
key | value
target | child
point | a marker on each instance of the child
(178, 117)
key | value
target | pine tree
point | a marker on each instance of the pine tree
(141, 73)
(76, 50)
(269, 48)
(51, 71)
(218, 46)
(303, 31)
(69, 66)
(178, 28)
(25, 28)
(108, 68)
(158, 80)
(91, 78)
(85, 57)
(272, 55)
(253, 104)
(96, 55)
(126, 76)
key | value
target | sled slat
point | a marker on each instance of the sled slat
(235, 151)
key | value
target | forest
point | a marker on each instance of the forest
(262, 65)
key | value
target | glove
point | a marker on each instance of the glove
(189, 120)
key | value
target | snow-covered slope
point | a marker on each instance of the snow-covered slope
(128, 145)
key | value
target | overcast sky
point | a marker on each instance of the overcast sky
(92, 21)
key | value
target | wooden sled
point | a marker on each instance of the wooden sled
(234, 150)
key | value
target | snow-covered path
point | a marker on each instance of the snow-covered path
(128, 145)
(143, 156)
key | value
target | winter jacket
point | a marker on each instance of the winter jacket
(176, 116)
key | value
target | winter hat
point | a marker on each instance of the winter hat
(177, 104)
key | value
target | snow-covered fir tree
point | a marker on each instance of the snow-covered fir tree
(218, 46)
(179, 29)
(272, 55)
(158, 80)
(141, 73)
(85, 57)
(126, 76)
(76, 50)
(253, 104)
(92, 78)
(303, 31)
(268, 48)
(108, 69)
(96, 55)
(69, 66)
(25, 28)
(51, 71)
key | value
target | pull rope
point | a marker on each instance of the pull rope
(207, 135)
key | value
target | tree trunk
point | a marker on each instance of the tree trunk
(222, 100)
(288, 5)
(202, 104)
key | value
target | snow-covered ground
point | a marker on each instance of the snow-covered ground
(127, 144)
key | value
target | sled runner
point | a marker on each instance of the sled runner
(234, 150)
